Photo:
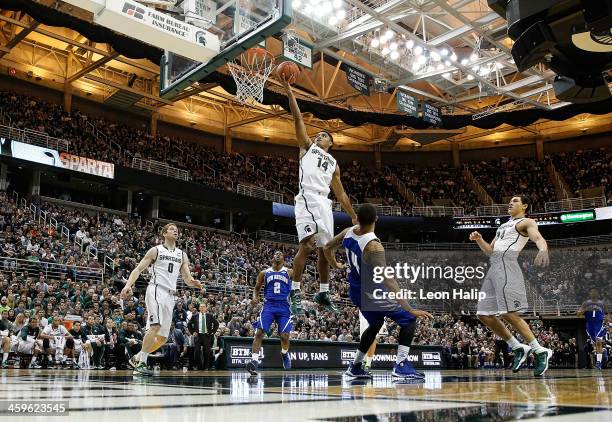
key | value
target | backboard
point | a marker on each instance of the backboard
(238, 24)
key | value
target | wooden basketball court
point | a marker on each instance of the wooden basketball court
(316, 395)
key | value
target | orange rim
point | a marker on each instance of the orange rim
(258, 54)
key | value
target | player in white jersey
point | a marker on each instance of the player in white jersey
(504, 285)
(54, 338)
(314, 219)
(166, 262)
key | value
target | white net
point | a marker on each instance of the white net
(251, 70)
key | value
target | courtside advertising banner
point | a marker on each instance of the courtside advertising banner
(324, 354)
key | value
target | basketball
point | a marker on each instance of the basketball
(288, 71)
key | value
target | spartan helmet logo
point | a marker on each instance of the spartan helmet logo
(307, 229)
(200, 37)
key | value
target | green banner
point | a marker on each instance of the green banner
(407, 104)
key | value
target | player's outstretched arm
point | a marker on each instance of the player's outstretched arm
(144, 263)
(341, 196)
(374, 254)
(482, 244)
(301, 134)
(186, 273)
(330, 248)
(258, 285)
(529, 225)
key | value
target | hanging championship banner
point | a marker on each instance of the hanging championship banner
(358, 80)
(297, 51)
(407, 104)
(431, 114)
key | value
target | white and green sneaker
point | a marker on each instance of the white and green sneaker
(142, 369)
(520, 356)
(542, 357)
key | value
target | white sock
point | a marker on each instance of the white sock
(5, 356)
(324, 287)
(535, 346)
(402, 353)
(359, 357)
(369, 360)
(513, 342)
(143, 357)
(599, 357)
(255, 356)
(296, 285)
(284, 351)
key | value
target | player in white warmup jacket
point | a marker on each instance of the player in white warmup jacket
(314, 219)
(166, 262)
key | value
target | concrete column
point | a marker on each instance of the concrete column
(227, 141)
(540, 148)
(3, 176)
(153, 126)
(35, 189)
(155, 207)
(129, 202)
(377, 157)
(455, 152)
(67, 97)
(227, 134)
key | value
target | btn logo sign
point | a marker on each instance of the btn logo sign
(242, 355)
(431, 358)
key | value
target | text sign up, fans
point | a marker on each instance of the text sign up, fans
(358, 80)
(407, 104)
(431, 114)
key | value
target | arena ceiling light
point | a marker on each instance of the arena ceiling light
(329, 12)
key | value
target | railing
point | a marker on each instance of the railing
(5, 118)
(560, 182)
(482, 194)
(277, 237)
(408, 195)
(51, 271)
(380, 209)
(244, 237)
(98, 134)
(575, 204)
(438, 211)
(157, 167)
(34, 137)
(227, 179)
(260, 193)
(576, 241)
(579, 241)
(493, 209)
(230, 267)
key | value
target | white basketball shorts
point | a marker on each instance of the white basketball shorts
(314, 217)
(160, 306)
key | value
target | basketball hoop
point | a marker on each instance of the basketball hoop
(251, 70)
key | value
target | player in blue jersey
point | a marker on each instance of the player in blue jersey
(595, 311)
(364, 252)
(276, 281)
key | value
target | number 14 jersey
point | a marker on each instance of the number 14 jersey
(166, 268)
(316, 170)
